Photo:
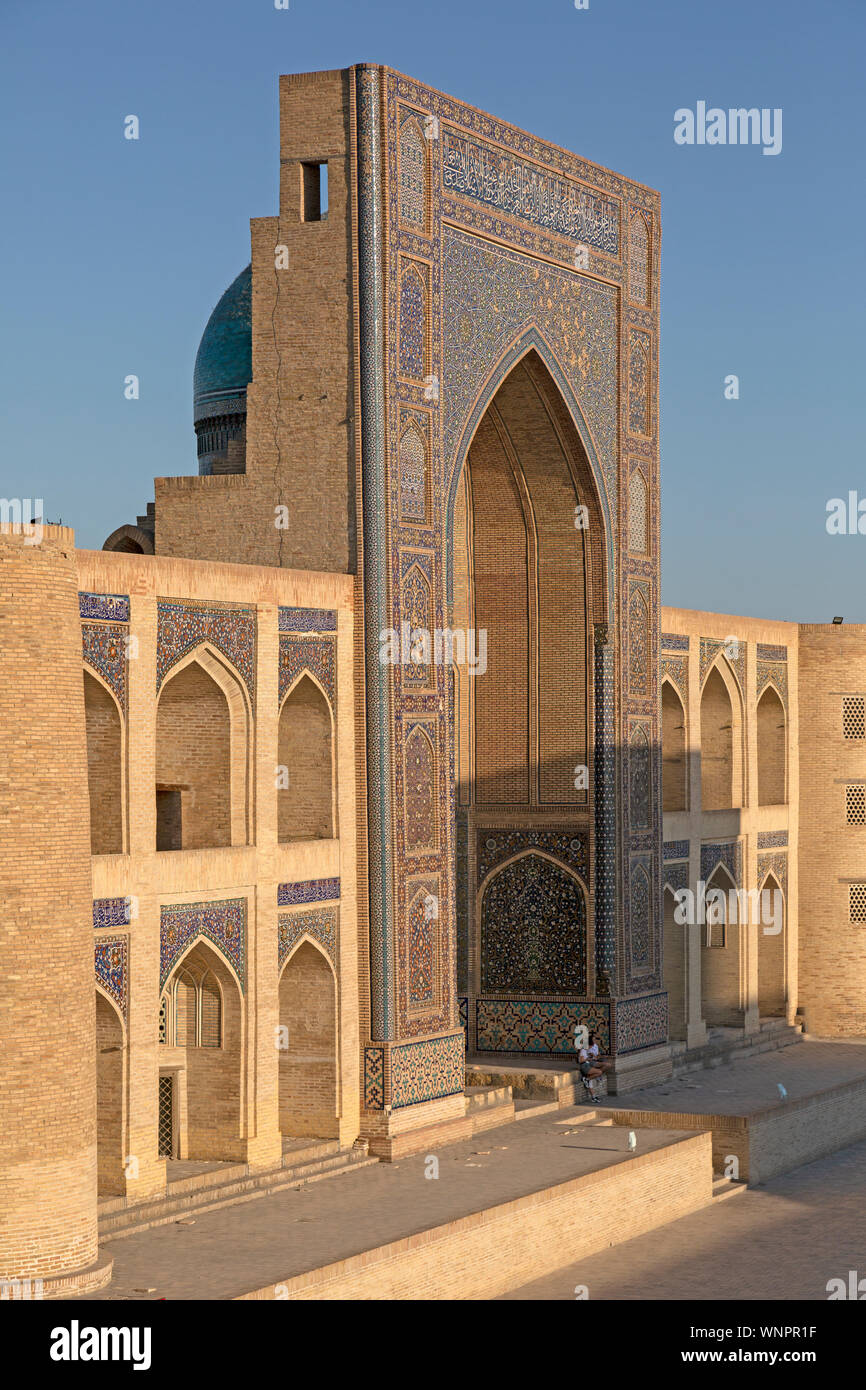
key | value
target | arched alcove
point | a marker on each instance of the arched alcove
(721, 935)
(202, 753)
(308, 1060)
(675, 966)
(104, 767)
(771, 749)
(533, 929)
(305, 807)
(674, 781)
(720, 771)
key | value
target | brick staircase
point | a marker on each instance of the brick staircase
(228, 1184)
(732, 1044)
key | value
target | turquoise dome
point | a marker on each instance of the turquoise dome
(224, 361)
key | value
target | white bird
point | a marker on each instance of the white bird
(632, 1140)
(782, 1092)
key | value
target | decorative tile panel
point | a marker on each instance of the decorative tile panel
(318, 655)
(319, 923)
(427, 1070)
(641, 1022)
(110, 960)
(110, 912)
(538, 1025)
(675, 642)
(182, 626)
(104, 647)
(113, 608)
(772, 839)
(533, 930)
(728, 853)
(676, 849)
(224, 924)
(374, 1078)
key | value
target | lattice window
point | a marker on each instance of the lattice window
(857, 902)
(854, 716)
(855, 804)
(165, 1130)
(210, 1013)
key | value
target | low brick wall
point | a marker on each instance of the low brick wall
(775, 1140)
(491, 1251)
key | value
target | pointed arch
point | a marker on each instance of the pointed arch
(413, 175)
(203, 1038)
(532, 927)
(591, 486)
(721, 957)
(675, 964)
(416, 609)
(306, 805)
(110, 1035)
(421, 791)
(308, 1096)
(721, 740)
(639, 641)
(639, 260)
(674, 767)
(772, 949)
(414, 472)
(106, 780)
(772, 744)
(203, 753)
(640, 779)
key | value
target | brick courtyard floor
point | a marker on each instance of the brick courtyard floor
(784, 1240)
(743, 1087)
(781, 1241)
(237, 1249)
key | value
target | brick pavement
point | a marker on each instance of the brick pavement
(237, 1249)
(781, 1241)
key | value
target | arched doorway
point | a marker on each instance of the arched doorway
(675, 966)
(772, 991)
(200, 1052)
(721, 992)
(109, 1097)
(305, 803)
(527, 562)
(308, 1044)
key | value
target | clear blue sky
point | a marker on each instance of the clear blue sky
(114, 252)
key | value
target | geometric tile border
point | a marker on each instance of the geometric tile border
(307, 620)
(112, 608)
(428, 1070)
(641, 1022)
(374, 1078)
(311, 890)
(538, 1025)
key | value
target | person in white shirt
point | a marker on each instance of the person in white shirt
(589, 1070)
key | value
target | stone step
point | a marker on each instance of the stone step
(483, 1097)
(726, 1187)
(173, 1207)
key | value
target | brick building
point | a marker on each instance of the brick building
(386, 749)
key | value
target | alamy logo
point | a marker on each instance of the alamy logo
(736, 126)
(77, 1343)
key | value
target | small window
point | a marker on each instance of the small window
(314, 192)
(855, 805)
(854, 716)
(857, 902)
(163, 1019)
